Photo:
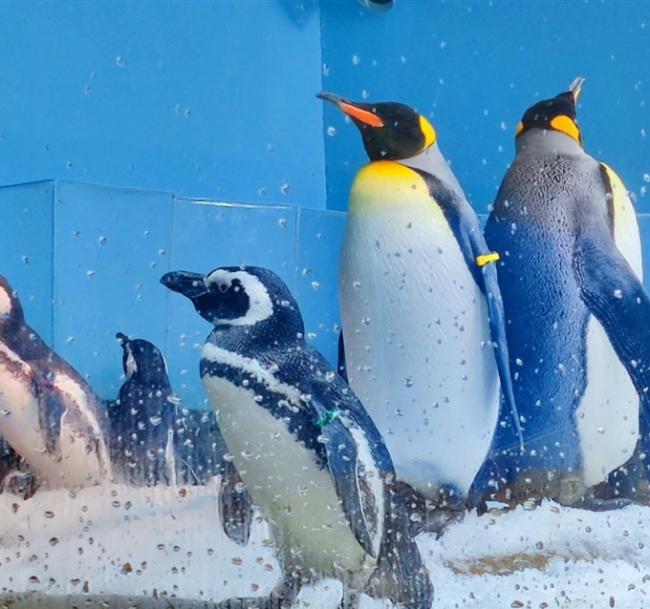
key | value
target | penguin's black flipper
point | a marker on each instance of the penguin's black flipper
(615, 296)
(50, 411)
(400, 573)
(235, 505)
(341, 365)
(348, 471)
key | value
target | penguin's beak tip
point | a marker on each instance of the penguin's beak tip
(330, 97)
(188, 284)
(122, 338)
(575, 87)
(167, 279)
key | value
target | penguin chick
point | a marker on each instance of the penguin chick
(306, 449)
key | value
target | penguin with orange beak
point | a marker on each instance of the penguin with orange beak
(422, 317)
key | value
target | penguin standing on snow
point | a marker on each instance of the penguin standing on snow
(49, 414)
(306, 449)
(155, 440)
(578, 318)
(421, 310)
(142, 417)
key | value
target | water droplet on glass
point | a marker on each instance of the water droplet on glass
(119, 61)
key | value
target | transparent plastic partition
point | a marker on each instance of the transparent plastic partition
(86, 261)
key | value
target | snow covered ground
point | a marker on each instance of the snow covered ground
(140, 547)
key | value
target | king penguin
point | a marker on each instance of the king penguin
(421, 311)
(48, 413)
(578, 318)
(308, 452)
(156, 440)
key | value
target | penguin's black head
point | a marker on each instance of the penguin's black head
(11, 311)
(142, 361)
(390, 131)
(556, 114)
(238, 296)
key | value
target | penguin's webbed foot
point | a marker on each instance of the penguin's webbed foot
(594, 504)
(19, 483)
(281, 597)
(349, 599)
(438, 520)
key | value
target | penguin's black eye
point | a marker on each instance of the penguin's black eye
(223, 287)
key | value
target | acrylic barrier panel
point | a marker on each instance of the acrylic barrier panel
(208, 235)
(318, 248)
(26, 249)
(168, 542)
(111, 247)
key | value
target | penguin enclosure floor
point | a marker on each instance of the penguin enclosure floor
(118, 547)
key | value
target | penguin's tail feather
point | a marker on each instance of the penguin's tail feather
(400, 574)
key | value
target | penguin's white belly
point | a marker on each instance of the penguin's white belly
(73, 465)
(608, 415)
(285, 481)
(19, 420)
(417, 343)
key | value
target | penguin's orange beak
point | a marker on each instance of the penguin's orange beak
(358, 112)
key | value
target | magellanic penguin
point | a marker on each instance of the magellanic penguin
(142, 417)
(155, 440)
(48, 412)
(308, 452)
(578, 318)
(421, 310)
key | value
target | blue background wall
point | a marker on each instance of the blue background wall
(474, 67)
(204, 98)
(217, 100)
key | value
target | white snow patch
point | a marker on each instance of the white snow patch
(174, 544)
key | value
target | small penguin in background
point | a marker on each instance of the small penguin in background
(308, 452)
(50, 415)
(155, 440)
(578, 318)
(422, 317)
(142, 417)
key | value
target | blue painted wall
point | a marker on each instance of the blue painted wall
(217, 100)
(202, 98)
(474, 67)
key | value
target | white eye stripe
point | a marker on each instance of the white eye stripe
(260, 306)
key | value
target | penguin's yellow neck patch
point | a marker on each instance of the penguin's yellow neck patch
(566, 125)
(428, 131)
(386, 183)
